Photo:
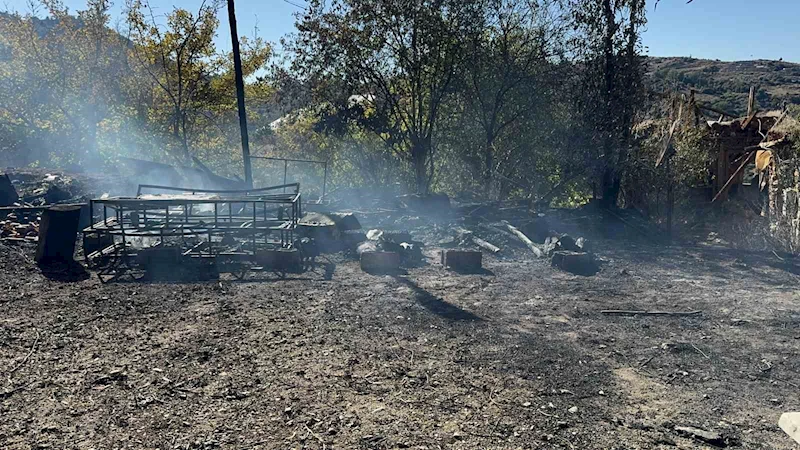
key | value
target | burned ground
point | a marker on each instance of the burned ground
(520, 356)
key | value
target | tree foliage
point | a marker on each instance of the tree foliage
(499, 99)
(396, 58)
(77, 92)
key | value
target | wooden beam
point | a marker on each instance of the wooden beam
(750, 118)
(732, 177)
(715, 110)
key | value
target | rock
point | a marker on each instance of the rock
(367, 246)
(709, 437)
(583, 244)
(566, 242)
(790, 423)
(579, 263)
(573, 410)
(345, 221)
(374, 235)
(411, 252)
(55, 194)
(464, 260)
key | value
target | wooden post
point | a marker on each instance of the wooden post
(57, 233)
(670, 199)
(751, 101)
(237, 68)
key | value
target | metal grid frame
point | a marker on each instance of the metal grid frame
(230, 227)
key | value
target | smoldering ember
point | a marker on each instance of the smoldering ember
(425, 225)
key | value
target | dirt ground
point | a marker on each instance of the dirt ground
(517, 357)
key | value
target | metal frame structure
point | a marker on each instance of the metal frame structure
(234, 228)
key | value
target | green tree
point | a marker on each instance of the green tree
(193, 92)
(61, 78)
(180, 60)
(397, 57)
(505, 79)
(610, 89)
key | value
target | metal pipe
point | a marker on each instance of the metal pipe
(285, 169)
(271, 158)
(324, 181)
(239, 78)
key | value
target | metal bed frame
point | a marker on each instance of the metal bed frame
(232, 229)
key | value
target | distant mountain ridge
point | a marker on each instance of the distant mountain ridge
(726, 85)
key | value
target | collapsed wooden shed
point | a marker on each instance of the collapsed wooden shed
(761, 148)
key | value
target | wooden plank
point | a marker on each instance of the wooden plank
(749, 119)
(733, 177)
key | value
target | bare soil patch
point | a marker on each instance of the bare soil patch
(517, 357)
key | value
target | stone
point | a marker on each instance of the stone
(583, 244)
(566, 242)
(579, 263)
(345, 221)
(380, 262)
(466, 260)
(709, 437)
(790, 423)
(56, 194)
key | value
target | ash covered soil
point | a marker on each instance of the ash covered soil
(519, 356)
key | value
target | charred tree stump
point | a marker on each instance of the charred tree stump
(57, 233)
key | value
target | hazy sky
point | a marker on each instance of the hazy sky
(716, 29)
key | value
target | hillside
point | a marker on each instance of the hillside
(725, 85)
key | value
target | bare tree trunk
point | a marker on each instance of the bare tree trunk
(609, 181)
(420, 152)
(489, 162)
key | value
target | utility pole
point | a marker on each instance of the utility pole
(237, 68)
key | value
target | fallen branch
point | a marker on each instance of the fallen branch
(485, 245)
(700, 351)
(519, 234)
(624, 312)
(641, 366)
(27, 357)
